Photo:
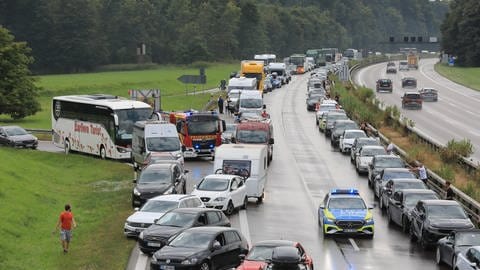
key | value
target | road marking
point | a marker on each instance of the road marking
(141, 261)
(354, 245)
(242, 215)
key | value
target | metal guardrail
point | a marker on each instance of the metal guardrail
(435, 182)
(40, 131)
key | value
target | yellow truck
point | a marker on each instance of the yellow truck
(254, 69)
(412, 60)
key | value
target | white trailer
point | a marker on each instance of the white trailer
(247, 160)
(242, 83)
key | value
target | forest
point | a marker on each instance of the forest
(75, 36)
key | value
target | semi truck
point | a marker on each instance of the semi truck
(412, 59)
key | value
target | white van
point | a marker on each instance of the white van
(247, 160)
(154, 136)
(242, 83)
(250, 101)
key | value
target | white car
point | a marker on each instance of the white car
(223, 192)
(347, 138)
(365, 156)
(156, 207)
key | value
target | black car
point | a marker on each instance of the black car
(384, 85)
(286, 257)
(456, 242)
(383, 167)
(339, 126)
(16, 136)
(396, 184)
(175, 222)
(202, 248)
(358, 143)
(401, 203)
(434, 219)
(330, 119)
(313, 99)
(157, 179)
(409, 82)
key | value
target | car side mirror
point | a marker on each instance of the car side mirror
(134, 181)
(422, 215)
(224, 125)
(155, 220)
(271, 141)
(233, 140)
(241, 257)
(186, 171)
(184, 148)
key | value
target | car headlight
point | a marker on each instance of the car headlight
(220, 199)
(140, 236)
(369, 220)
(190, 261)
(136, 192)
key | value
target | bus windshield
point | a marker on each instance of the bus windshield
(126, 120)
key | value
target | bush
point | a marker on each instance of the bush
(454, 149)
(365, 94)
(446, 172)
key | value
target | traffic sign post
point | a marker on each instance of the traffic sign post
(145, 94)
(193, 79)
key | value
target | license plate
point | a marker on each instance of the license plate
(349, 230)
(167, 267)
(152, 244)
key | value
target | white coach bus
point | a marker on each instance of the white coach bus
(96, 124)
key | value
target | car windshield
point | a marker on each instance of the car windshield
(333, 117)
(346, 203)
(251, 103)
(352, 135)
(163, 144)
(260, 253)
(467, 239)
(174, 219)
(158, 206)
(202, 127)
(410, 185)
(157, 176)
(399, 174)
(252, 136)
(191, 240)
(412, 199)
(370, 152)
(413, 96)
(214, 184)
(15, 131)
(446, 212)
(389, 163)
(127, 119)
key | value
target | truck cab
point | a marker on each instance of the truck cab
(256, 132)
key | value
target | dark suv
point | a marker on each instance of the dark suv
(412, 100)
(384, 85)
(409, 82)
(339, 126)
(434, 219)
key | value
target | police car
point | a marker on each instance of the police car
(343, 211)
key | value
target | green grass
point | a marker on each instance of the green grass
(119, 82)
(469, 77)
(34, 186)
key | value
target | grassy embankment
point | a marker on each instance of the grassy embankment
(469, 77)
(34, 188)
(360, 106)
(119, 82)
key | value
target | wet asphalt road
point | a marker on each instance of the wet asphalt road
(454, 116)
(304, 168)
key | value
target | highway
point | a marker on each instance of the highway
(304, 168)
(454, 116)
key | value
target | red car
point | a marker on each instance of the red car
(262, 251)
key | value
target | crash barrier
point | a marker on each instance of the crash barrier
(39, 131)
(435, 182)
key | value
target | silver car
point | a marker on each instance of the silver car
(468, 260)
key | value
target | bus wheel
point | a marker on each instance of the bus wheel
(103, 153)
(67, 146)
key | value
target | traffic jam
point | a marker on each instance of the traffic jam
(194, 230)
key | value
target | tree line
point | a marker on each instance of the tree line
(73, 36)
(461, 32)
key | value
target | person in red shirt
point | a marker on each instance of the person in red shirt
(66, 223)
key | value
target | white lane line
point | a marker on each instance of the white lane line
(242, 214)
(141, 261)
(354, 245)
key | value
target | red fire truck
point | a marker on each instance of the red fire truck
(199, 132)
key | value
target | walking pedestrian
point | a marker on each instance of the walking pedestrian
(449, 191)
(66, 222)
(422, 172)
(220, 104)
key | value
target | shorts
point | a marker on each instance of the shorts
(65, 235)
